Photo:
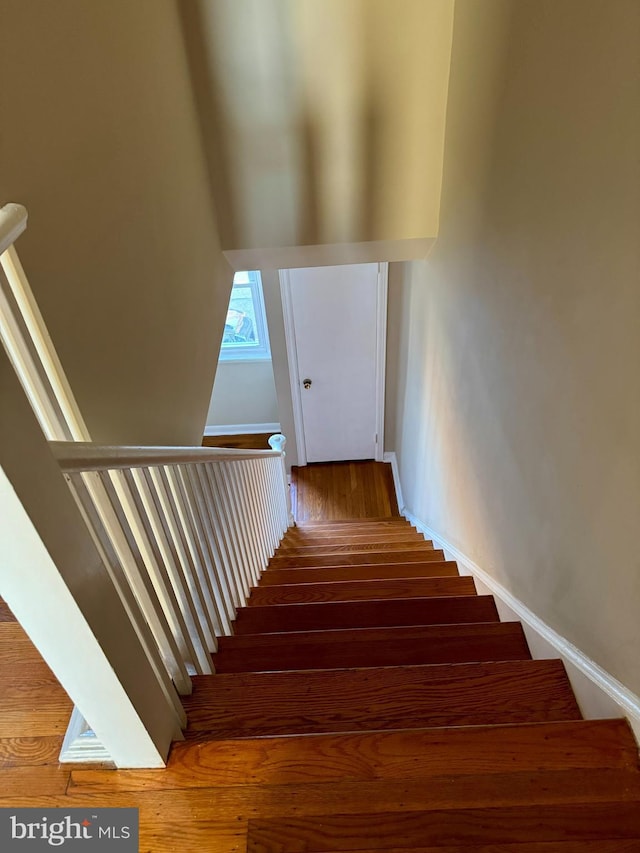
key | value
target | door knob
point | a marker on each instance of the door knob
(306, 383)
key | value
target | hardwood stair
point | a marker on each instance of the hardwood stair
(371, 700)
(356, 559)
(319, 550)
(361, 590)
(364, 647)
(310, 540)
(374, 613)
(381, 571)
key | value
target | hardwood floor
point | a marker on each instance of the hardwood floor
(34, 713)
(330, 491)
(244, 441)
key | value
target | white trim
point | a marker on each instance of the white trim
(292, 358)
(13, 221)
(391, 458)
(241, 357)
(381, 355)
(69, 422)
(81, 744)
(241, 429)
(599, 694)
(329, 254)
(67, 642)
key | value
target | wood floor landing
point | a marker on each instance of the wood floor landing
(34, 714)
(241, 441)
(330, 491)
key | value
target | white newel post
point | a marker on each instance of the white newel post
(279, 442)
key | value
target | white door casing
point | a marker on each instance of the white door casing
(335, 325)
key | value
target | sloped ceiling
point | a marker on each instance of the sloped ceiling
(323, 120)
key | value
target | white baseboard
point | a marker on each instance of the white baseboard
(241, 429)
(599, 694)
(392, 459)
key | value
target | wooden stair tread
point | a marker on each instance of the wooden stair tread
(361, 528)
(372, 647)
(502, 824)
(368, 558)
(360, 590)
(255, 704)
(332, 549)
(297, 540)
(384, 755)
(366, 614)
(415, 633)
(430, 794)
(381, 571)
(396, 755)
(353, 522)
(373, 530)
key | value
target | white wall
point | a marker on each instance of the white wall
(280, 360)
(274, 381)
(517, 415)
(101, 141)
(244, 392)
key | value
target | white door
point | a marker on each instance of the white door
(338, 359)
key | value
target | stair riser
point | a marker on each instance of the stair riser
(419, 556)
(363, 548)
(366, 614)
(361, 529)
(360, 590)
(472, 644)
(500, 825)
(354, 573)
(350, 523)
(309, 539)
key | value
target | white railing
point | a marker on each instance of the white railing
(200, 524)
(184, 532)
(27, 341)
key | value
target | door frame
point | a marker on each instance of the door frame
(292, 358)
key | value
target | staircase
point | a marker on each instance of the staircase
(371, 700)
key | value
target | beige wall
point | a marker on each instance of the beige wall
(518, 405)
(243, 393)
(323, 121)
(100, 141)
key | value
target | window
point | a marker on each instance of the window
(245, 329)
